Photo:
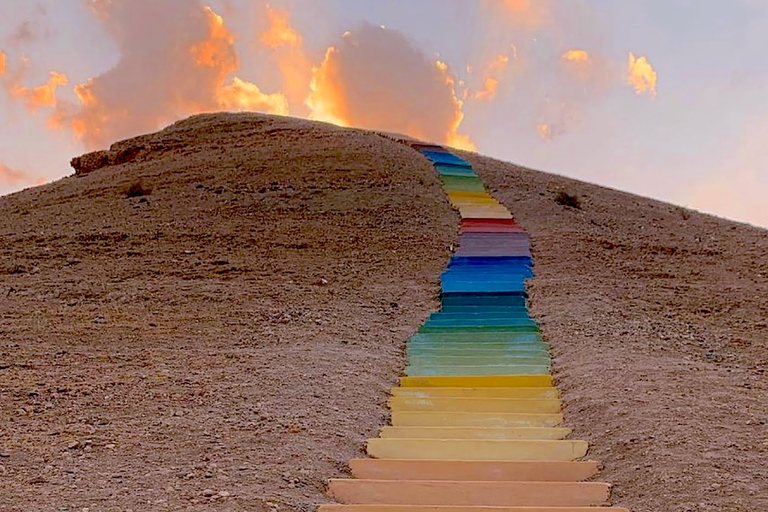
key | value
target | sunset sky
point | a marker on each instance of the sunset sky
(660, 98)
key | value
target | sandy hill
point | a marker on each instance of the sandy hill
(211, 321)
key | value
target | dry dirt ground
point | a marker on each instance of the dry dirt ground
(232, 334)
(226, 342)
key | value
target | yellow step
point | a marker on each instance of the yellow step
(477, 381)
(474, 433)
(473, 419)
(489, 494)
(509, 392)
(476, 449)
(447, 508)
(474, 470)
(461, 404)
(484, 212)
(462, 202)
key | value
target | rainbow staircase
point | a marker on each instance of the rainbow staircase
(476, 422)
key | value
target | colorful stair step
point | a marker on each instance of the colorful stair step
(500, 369)
(468, 392)
(476, 381)
(476, 449)
(474, 419)
(473, 470)
(482, 404)
(491, 494)
(451, 508)
(475, 433)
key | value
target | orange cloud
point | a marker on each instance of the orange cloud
(287, 47)
(280, 33)
(2, 62)
(376, 79)
(640, 75)
(178, 65)
(327, 98)
(43, 95)
(243, 95)
(576, 55)
(494, 70)
(531, 14)
(12, 177)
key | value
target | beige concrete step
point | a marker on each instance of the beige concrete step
(473, 419)
(476, 449)
(540, 392)
(441, 508)
(465, 493)
(474, 433)
(464, 404)
(473, 470)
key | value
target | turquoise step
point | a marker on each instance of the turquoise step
(510, 369)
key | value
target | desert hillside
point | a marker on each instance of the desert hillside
(233, 331)
(658, 320)
(212, 319)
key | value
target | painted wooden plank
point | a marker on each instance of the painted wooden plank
(507, 329)
(476, 381)
(474, 433)
(448, 508)
(441, 492)
(473, 212)
(335, 507)
(479, 336)
(476, 449)
(510, 369)
(480, 471)
(478, 360)
(476, 350)
(508, 392)
(463, 347)
(462, 404)
(474, 419)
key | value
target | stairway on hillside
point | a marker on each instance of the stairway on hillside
(476, 421)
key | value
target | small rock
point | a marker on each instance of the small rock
(37, 480)
(5, 455)
(208, 492)
(223, 494)
(110, 446)
(73, 445)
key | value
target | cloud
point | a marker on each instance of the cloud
(375, 78)
(738, 188)
(287, 50)
(493, 74)
(42, 96)
(640, 75)
(530, 14)
(12, 177)
(176, 58)
(576, 56)
(23, 34)
(242, 95)
(3, 62)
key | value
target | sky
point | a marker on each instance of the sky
(662, 98)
